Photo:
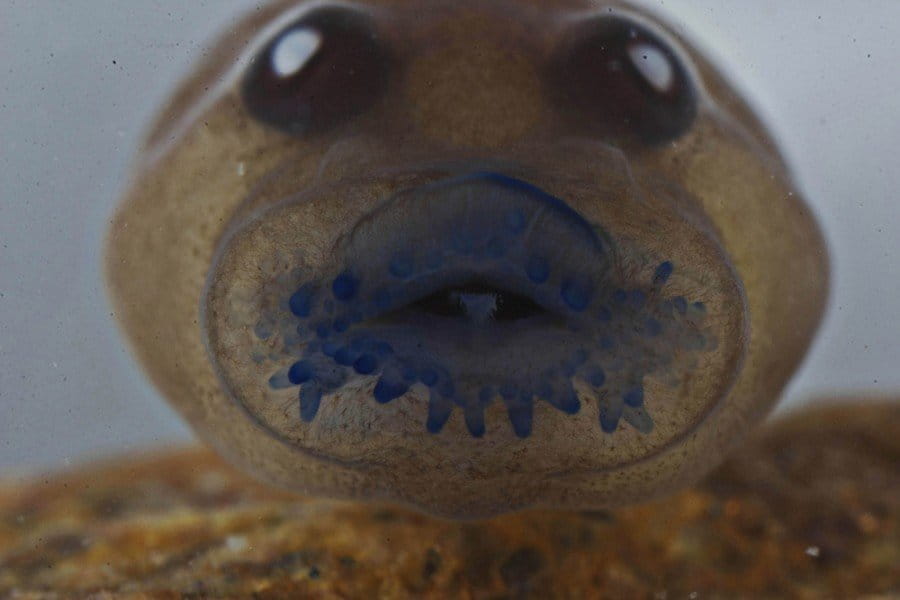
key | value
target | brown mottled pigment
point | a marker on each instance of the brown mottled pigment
(809, 509)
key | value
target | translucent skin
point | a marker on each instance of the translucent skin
(227, 216)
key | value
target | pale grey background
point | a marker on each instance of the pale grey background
(81, 78)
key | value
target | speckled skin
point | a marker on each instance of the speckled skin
(198, 229)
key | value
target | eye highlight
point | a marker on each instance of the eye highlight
(322, 69)
(617, 78)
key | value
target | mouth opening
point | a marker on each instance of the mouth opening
(479, 302)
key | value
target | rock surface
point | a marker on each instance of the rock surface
(809, 509)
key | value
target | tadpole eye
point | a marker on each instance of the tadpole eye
(325, 67)
(615, 78)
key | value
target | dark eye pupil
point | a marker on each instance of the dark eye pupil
(616, 77)
(319, 71)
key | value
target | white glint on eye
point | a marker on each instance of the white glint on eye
(295, 50)
(654, 65)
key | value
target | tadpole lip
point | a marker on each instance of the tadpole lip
(480, 228)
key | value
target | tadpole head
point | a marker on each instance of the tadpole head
(472, 259)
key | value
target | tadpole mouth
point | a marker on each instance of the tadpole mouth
(481, 287)
(479, 301)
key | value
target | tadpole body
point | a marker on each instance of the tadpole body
(470, 257)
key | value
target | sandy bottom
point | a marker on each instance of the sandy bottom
(809, 509)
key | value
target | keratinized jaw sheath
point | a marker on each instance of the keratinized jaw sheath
(468, 257)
